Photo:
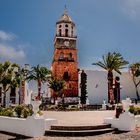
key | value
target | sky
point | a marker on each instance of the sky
(27, 29)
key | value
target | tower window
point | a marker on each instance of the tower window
(60, 26)
(66, 25)
(66, 75)
(60, 32)
(61, 57)
(72, 32)
(70, 56)
(66, 32)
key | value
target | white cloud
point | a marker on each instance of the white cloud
(6, 36)
(8, 52)
(131, 8)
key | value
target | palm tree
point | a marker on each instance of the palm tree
(111, 62)
(134, 70)
(8, 77)
(39, 74)
(56, 85)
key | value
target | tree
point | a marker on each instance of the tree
(56, 85)
(83, 87)
(134, 70)
(8, 77)
(39, 74)
(111, 62)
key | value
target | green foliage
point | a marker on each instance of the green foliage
(39, 74)
(83, 88)
(63, 106)
(6, 112)
(134, 110)
(56, 85)
(18, 110)
(112, 61)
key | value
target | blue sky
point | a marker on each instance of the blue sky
(27, 29)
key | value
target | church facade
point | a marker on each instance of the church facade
(65, 65)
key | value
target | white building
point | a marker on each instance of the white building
(97, 86)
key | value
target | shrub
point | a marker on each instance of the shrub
(25, 113)
(134, 110)
(6, 112)
(18, 110)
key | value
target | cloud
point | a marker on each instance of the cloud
(4, 36)
(9, 52)
(131, 8)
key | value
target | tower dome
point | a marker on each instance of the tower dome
(65, 17)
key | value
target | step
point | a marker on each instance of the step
(78, 133)
(76, 128)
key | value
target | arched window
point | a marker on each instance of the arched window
(60, 32)
(66, 75)
(66, 32)
(60, 26)
(61, 57)
(70, 56)
(66, 25)
(71, 32)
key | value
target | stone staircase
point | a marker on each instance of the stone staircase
(79, 130)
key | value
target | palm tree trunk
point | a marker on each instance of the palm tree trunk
(110, 83)
(4, 96)
(136, 87)
(137, 93)
(39, 89)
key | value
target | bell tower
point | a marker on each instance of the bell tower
(64, 65)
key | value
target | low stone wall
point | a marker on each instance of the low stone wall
(29, 127)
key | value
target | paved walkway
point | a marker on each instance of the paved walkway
(79, 117)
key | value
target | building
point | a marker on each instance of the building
(97, 87)
(65, 65)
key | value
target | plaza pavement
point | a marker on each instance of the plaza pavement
(79, 117)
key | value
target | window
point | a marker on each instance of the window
(60, 26)
(66, 25)
(70, 56)
(69, 85)
(60, 32)
(66, 75)
(61, 57)
(66, 32)
(72, 33)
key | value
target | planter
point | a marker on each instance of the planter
(35, 105)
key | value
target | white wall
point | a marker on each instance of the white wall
(97, 86)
